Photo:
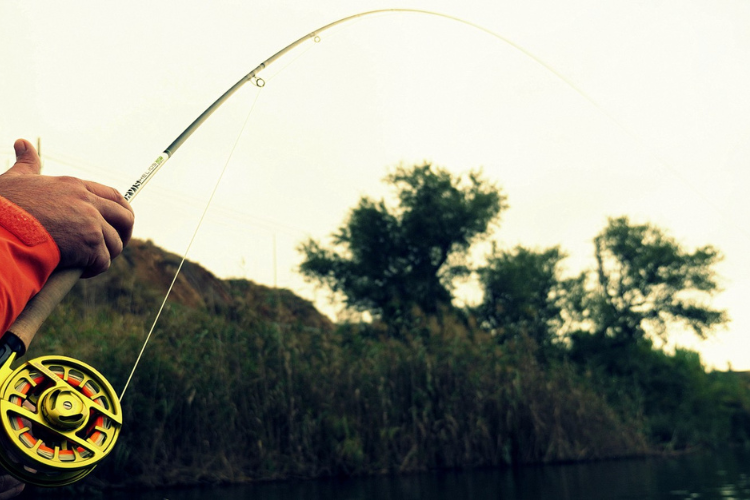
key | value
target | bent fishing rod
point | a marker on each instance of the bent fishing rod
(58, 416)
(60, 283)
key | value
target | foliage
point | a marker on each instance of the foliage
(241, 382)
(523, 294)
(215, 400)
(389, 260)
(645, 284)
(233, 397)
(647, 281)
(678, 403)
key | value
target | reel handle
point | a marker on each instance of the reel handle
(41, 305)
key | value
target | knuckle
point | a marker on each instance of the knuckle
(99, 260)
(91, 236)
(115, 195)
(91, 214)
(71, 181)
(116, 247)
(129, 219)
(74, 187)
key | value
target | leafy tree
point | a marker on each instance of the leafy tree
(647, 281)
(523, 293)
(388, 260)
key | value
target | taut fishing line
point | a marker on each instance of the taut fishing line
(190, 244)
(58, 416)
(315, 37)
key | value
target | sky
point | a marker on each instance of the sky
(579, 110)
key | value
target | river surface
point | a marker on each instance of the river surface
(724, 475)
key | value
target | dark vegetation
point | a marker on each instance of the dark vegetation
(244, 382)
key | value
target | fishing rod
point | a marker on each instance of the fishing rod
(60, 417)
(61, 282)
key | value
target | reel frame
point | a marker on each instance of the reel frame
(59, 417)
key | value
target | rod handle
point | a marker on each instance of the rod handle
(42, 304)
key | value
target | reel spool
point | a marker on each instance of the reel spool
(59, 417)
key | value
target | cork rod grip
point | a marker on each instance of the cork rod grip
(41, 306)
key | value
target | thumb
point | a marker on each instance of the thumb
(27, 161)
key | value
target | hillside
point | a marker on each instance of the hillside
(139, 279)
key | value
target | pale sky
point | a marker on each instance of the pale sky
(108, 86)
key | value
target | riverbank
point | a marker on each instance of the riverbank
(244, 383)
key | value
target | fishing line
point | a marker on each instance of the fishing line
(54, 471)
(294, 60)
(190, 244)
(59, 291)
(634, 137)
(315, 37)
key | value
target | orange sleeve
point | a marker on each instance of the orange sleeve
(28, 255)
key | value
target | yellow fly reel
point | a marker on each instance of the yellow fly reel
(59, 416)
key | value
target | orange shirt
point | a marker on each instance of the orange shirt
(28, 255)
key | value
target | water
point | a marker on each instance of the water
(724, 476)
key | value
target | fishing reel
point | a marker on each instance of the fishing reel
(59, 417)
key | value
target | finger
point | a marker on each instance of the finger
(99, 258)
(12, 493)
(7, 481)
(113, 241)
(110, 204)
(27, 161)
(10, 487)
(119, 218)
(108, 193)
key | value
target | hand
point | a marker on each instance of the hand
(10, 487)
(91, 223)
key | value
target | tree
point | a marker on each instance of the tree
(388, 260)
(523, 292)
(647, 281)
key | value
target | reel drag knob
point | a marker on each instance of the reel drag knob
(63, 408)
(59, 418)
